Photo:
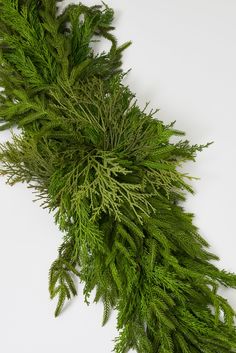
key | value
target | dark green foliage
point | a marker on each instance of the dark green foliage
(109, 172)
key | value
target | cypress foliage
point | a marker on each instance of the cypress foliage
(109, 173)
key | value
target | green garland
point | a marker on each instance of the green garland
(110, 174)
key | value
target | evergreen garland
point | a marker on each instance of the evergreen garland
(110, 174)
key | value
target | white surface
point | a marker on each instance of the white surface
(183, 60)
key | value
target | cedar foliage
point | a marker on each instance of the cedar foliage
(110, 174)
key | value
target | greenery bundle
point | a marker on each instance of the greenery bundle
(110, 174)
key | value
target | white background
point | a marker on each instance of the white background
(183, 60)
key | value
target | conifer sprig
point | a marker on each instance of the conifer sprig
(111, 175)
